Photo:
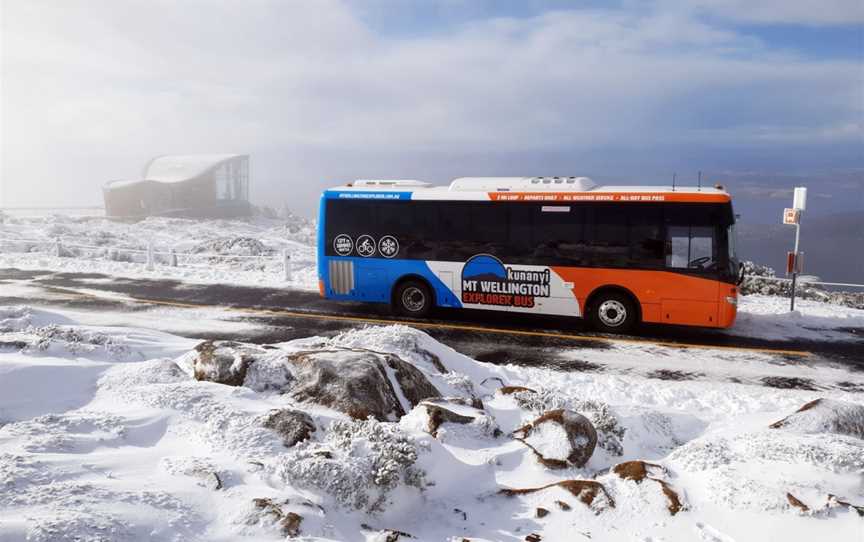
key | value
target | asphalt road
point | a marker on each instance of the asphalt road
(283, 314)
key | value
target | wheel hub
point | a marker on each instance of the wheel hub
(413, 299)
(612, 313)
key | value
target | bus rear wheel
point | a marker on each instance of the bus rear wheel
(613, 313)
(413, 298)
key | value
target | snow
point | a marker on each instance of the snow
(123, 443)
(210, 251)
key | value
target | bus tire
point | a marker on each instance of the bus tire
(413, 298)
(613, 312)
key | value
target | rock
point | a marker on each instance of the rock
(834, 502)
(826, 416)
(292, 425)
(638, 471)
(587, 491)
(386, 535)
(223, 362)
(533, 537)
(431, 415)
(289, 523)
(358, 382)
(560, 438)
(563, 505)
(510, 390)
(542, 512)
(793, 501)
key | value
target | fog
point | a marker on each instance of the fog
(324, 91)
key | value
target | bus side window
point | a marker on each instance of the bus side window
(646, 235)
(454, 232)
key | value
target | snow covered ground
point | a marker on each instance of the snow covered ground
(106, 434)
(219, 251)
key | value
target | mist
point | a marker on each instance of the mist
(323, 92)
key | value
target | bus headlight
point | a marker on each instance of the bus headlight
(732, 300)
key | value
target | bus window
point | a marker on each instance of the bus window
(607, 237)
(692, 247)
(454, 230)
(646, 236)
(557, 235)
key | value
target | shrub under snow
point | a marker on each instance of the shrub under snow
(358, 463)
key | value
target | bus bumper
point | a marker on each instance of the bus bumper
(728, 308)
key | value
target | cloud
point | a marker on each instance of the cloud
(802, 12)
(90, 90)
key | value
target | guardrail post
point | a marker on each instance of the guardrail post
(150, 256)
(173, 258)
(286, 265)
(58, 248)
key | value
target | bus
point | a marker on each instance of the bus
(614, 255)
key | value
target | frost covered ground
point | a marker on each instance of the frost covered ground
(123, 433)
(221, 251)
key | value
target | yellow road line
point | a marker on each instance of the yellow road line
(458, 327)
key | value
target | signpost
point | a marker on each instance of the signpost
(793, 216)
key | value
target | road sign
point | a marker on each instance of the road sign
(791, 216)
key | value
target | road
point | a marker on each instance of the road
(276, 315)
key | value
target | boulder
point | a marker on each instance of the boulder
(359, 383)
(826, 416)
(223, 362)
(292, 425)
(560, 438)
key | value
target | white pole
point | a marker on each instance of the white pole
(795, 262)
(173, 258)
(58, 248)
(150, 258)
(286, 265)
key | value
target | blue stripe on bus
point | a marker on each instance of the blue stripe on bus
(352, 194)
(374, 279)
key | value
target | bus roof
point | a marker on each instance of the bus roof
(525, 189)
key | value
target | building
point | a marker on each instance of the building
(191, 186)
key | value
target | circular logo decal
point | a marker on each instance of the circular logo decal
(388, 246)
(365, 246)
(343, 245)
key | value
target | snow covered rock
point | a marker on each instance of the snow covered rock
(591, 493)
(826, 416)
(292, 425)
(610, 432)
(453, 417)
(360, 383)
(268, 512)
(223, 362)
(560, 438)
(637, 471)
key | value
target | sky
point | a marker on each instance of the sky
(760, 94)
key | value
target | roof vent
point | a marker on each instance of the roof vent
(390, 182)
(521, 184)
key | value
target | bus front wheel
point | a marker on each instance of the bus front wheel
(413, 298)
(613, 313)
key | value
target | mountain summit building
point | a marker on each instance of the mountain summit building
(191, 186)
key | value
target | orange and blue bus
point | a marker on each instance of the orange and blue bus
(615, 255)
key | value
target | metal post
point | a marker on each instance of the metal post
(150, 256)
(286, 265)
(173, 258)
(58, 248)
(795, 262)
